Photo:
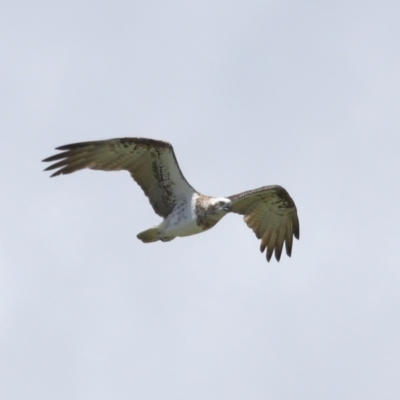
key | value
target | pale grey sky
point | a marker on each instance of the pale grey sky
(303, 94)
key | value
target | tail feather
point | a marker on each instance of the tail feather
(148, 236)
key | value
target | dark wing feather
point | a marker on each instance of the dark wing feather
(271, 213)
(151, 163)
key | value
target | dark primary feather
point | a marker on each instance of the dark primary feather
(151, 163)
(271, 213)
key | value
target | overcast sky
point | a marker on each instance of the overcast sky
(303, 94)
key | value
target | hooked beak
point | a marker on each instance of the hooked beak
(227, 207)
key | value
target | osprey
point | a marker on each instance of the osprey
(269, 211)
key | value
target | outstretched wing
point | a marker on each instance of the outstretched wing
(151, 163)
(271, 213)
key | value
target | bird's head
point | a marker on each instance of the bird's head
(221, 205)
(209, 210)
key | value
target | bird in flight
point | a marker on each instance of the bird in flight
(269, 211)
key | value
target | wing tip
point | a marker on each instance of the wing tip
(296, 227)
(59, 172)
(269, 253)
(276, 250)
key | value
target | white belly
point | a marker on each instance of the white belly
(182, 222)
(182, 229)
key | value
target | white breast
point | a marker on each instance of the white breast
(182, 220)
